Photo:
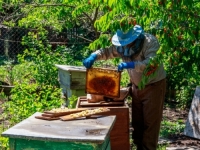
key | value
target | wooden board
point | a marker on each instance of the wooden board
(192, 128)
(47, 118)
(65, 112)
(85, 113)
(82, 102)
(55, 114)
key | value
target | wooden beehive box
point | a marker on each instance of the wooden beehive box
(72, 79)
(37, 134)
(77, 80)
(119, 136)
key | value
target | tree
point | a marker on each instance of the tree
(174, 22)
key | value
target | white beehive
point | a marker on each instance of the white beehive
(72, 80)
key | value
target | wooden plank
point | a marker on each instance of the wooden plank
(71, 68)
(82, 102)
(54, 114)
(47, 118)
(63, 111)
(85, 113)
(192, 128)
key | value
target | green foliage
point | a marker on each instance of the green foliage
(44, 58)
(4, 143)
(103, 41)
(28, 98)
(170, 128)
(150, 70)
(31, 98)
(124, 79)
(2, 73)
(175, 23)
(2, 96)
(15, 73)
(161, 147)
(7, 73)
(72, 101)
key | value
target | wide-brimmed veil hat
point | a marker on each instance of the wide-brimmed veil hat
(121, 38)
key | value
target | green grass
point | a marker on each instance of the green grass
(170, 128)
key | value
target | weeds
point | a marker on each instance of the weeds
(170, 128)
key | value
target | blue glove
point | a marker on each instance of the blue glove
(126, 65)
(88, 62)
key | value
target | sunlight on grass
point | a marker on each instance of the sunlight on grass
(169, 128)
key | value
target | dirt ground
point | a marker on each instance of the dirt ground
(179, 140)
(170, 114)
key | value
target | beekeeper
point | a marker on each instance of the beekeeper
(135, 48)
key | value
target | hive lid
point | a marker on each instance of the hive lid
(71, 68)
(103, 81)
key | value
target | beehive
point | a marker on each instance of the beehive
(72, 80)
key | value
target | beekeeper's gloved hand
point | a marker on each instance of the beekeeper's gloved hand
(126, 65)
(88, 62)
